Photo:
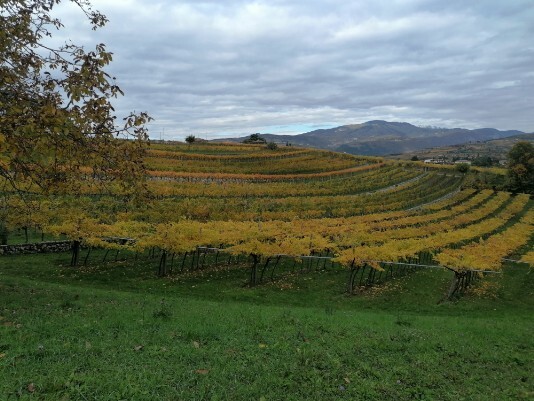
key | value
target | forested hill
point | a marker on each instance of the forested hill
(383, 137)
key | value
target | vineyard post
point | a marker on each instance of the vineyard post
(375, 271)
(318, 262)
(183, 261)
(162, 268)
(370, 276)
(203, 259)
(402, 269)
(275, 264)
(192, 260)
(380, 275)
(172, 261)
(253, 269)
(87, 256)
(455, 285)
(264, 268)
(361, 276)
(105, 255)
(352, 275)
(198, 259)
(76, 244)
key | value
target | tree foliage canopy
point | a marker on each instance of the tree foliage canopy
(255, 138)
(462, 167)
(190, 139)
(57, 123)
(521, 167)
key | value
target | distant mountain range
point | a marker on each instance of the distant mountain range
(383, 138)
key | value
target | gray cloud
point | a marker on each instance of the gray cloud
(212, 67)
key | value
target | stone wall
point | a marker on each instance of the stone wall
(38, 247)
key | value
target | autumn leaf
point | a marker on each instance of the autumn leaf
(196, 344)
(31, 387)
(202, 371)
(138, 347)
(231, 351)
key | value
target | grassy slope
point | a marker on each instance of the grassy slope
(116, 332)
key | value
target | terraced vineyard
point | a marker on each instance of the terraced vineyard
(249, 273)
(251, 206)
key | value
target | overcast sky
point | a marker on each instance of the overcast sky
(227, 67)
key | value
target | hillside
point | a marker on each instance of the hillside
(497, 149)
(253, 273)
(382, 137)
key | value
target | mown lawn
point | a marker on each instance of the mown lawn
(116, 332)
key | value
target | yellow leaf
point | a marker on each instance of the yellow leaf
(202, 371)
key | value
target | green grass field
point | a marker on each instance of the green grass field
(116, 332)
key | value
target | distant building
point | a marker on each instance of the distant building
(462, 162)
